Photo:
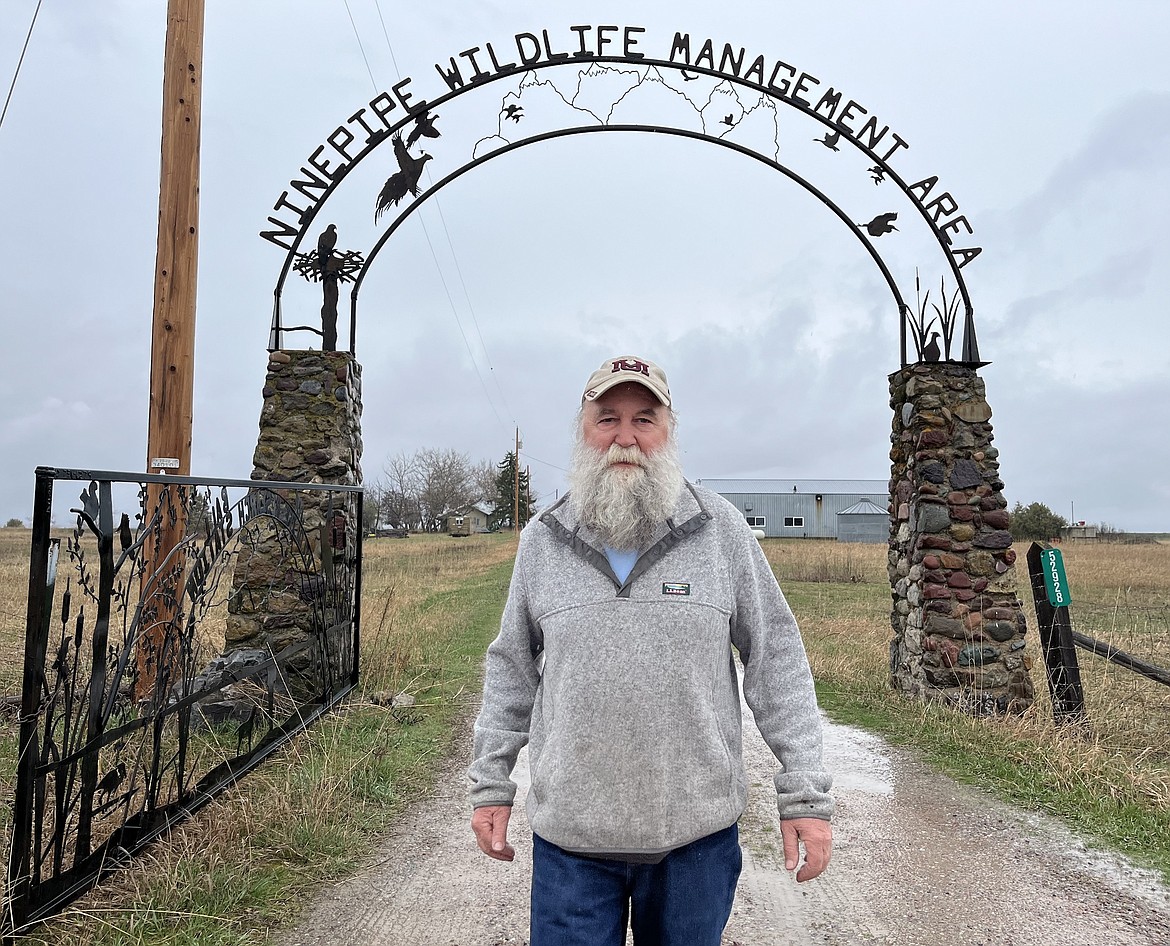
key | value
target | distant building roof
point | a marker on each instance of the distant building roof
(484, 508)
(881, 487)
(863, 507)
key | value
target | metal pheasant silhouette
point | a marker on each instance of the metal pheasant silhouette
(404, 181)
(424, 127)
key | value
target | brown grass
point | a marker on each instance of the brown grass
(817, 560)
(14, 552)
(1120, 594)
(397, 576)
(311, 810)
(301, 801)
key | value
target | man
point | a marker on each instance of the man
(615, 663)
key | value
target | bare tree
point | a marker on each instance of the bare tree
(372, 505)
(483, 479)
(446, 484)
(401, 484)
(418, 490)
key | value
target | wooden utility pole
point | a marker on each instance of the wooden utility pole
(172, 350)
(516, 486)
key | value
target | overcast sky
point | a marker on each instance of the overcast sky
(1048, 122)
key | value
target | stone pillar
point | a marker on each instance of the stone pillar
(310, 432)
(957, 617)
(310, 424)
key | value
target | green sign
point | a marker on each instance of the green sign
(1052, 564)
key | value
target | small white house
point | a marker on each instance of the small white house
(470, 520)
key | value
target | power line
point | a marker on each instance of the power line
(422, 223)
(23, 50)
(450, 243)
(451, 303)
(471, 308)
(382, 20)
(544, 462)
(358, 37)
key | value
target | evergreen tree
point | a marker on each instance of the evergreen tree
(506, 495)
(1036, 522)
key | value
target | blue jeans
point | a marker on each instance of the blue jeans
(683, 900)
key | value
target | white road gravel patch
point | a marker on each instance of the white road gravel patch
(919, 860)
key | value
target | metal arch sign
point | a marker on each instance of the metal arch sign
(599, 79)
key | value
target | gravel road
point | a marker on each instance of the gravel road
(919, 860)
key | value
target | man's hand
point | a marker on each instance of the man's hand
(490, 825)
(817, 837)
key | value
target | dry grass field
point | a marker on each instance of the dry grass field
(430, 604)
(428, 608)
(14, 549)
(398, 577)
(1120, 595)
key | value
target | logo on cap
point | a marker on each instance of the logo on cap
(631, 364)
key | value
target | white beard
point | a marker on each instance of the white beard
(624, 506)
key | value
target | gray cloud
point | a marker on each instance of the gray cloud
(777, 332)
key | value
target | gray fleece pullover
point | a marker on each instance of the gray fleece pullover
(627, 692)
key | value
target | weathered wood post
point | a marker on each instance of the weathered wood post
(1056, 641)
(172, 362)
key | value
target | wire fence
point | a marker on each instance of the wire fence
(1125, 642)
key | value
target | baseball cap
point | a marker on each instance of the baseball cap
(625, 368)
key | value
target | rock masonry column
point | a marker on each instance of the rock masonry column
(310, 424)
(310, 432)
(957, 617)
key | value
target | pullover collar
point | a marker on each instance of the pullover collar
(690, 515)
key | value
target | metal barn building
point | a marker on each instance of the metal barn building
(804, 509)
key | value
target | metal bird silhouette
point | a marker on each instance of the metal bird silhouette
(111, 780)
(880, 225)
(125, 536)
(424, 127)
(687, 78)
(729, 121)
(325, 244)
(877, 172)
(402, 182)
(514, 112)
(931, 352)
(246, 729)
(830, 140)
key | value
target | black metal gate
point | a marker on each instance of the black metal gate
(170, 648)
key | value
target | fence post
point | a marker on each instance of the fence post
(42, 575)
(357, 592)
(1060, 652)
